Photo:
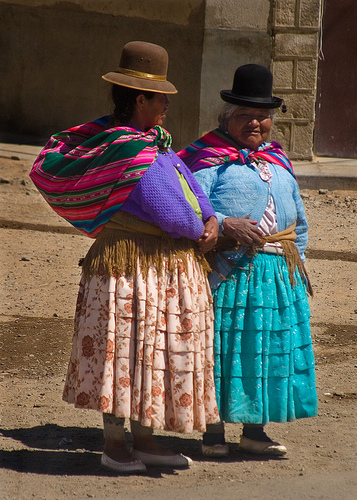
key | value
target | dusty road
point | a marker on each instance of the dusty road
(51, 451)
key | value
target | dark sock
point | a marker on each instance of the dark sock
(256, 433)
(210, 439)
(214, 434)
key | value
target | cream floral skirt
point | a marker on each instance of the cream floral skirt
(143, 348)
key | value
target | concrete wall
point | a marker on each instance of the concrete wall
(280, 34)
(152, 10)
(57, 51)
(54, 53)
(235, 33)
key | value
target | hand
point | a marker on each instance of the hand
(243, 230)
(209, 237)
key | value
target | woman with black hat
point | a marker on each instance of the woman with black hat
(264, 362)
(143, 340)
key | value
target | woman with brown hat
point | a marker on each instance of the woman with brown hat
(143, 340)
(264, 363)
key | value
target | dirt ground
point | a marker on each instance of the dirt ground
(51, 451)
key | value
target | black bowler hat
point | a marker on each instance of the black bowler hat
(252, 87)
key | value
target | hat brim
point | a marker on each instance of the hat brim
(251, 102)
(162, 87)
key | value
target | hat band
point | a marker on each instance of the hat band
(140, 74)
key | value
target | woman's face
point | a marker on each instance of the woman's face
(153, 111)
(250, 127)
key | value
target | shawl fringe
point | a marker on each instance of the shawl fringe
(117, 253)
(287, 240)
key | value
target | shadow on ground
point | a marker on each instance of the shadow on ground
(71, 451)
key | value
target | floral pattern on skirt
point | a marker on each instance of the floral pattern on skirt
(143, 348)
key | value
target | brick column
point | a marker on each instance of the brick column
(295, 31)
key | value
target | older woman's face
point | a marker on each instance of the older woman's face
(250, 127)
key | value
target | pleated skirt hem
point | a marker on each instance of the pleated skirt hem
(264, 361)
(143, 348)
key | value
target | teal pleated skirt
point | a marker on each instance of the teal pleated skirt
(264, 361)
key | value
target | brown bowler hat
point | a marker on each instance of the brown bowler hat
(142, 66)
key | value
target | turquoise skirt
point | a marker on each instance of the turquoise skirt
(264, 362)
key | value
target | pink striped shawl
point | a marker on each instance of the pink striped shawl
(87, 172)
(216, 148)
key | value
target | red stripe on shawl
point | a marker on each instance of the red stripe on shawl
(102, 185)
(216, 148)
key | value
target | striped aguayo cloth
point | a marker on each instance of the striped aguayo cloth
(216, 148)
(87, 172)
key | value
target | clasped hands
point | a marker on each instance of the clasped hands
(241, 229)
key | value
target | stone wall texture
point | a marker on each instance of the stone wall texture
(296, 25)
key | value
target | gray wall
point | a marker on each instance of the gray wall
(235, 33)
(54, 57)
(53, 53)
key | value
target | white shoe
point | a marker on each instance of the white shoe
(215, 450)
(262, 447)
(122, 467)
(174, 461)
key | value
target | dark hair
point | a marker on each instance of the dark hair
(124, 99)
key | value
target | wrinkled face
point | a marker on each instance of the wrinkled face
(153, 111)
(250, 127)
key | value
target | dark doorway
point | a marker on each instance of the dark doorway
(336, 106)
